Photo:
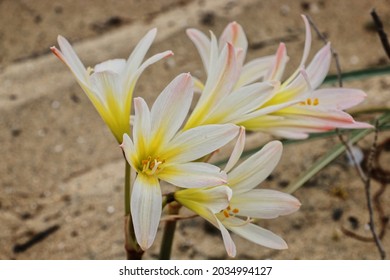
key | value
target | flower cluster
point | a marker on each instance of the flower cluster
(171, 144)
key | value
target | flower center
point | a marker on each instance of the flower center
(310, 102)
(229, 212)
(152, 165)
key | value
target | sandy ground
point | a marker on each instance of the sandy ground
(61, 172)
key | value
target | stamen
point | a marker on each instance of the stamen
(150, 165)
(310, 102)
(228, 212)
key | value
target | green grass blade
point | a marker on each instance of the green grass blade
(333, 154)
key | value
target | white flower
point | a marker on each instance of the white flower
(229, 92)
(110, 84)
(297, 106)
(247, 203)
(159, 152)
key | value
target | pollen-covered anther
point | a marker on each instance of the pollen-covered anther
(151, 165)
(90, 70)
(310, 102)
(229, 212)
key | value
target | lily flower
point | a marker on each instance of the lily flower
(298, 107)
(110, 84)
(229, 91)
(158, 151)
(247, 202)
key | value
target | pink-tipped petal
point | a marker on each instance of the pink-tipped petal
(279, 65)
(171, 108)
(235, 35)
(70, 58)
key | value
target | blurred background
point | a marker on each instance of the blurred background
(61, 171)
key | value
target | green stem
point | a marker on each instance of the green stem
(127, 188)
(133, 251)
(169, 232)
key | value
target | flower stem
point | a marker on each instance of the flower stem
(169, 232)
(133, 251)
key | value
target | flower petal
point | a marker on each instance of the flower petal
(202, 43)
(255, 70)
(339, 98)
(171, 108)
(264, 204)
(193, 175)
(255, 234)
(146, 209)
(218, 85)
(235, 35)
(306, 49)
(197, 200)
(130, 78)
(319, 66)
(237, 150)
(107, 87)
(279, 65)
(256, 168)
(130, 151)
(238, 104)
(197, 142)
(142, 128)
(137, 56)
(227, 240)
(70, 58)
(113, 65)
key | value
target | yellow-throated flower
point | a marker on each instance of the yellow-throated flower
(159, 151)
(247, 202)
(229, 91)
(298, 107)
(110, 84)
(290, 109)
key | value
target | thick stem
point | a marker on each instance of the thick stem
(169, 232)
(133, 251)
